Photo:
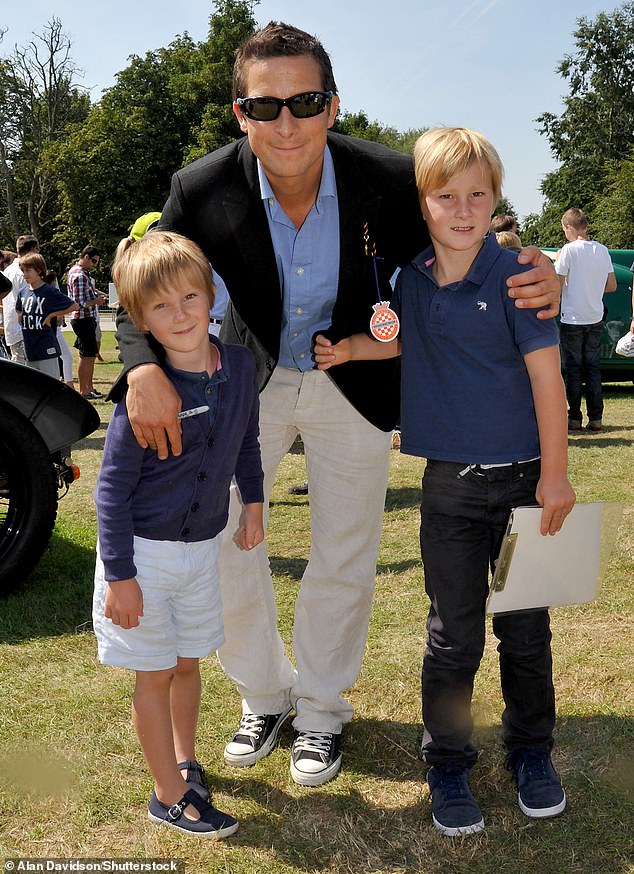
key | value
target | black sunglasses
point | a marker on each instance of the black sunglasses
(306, 105)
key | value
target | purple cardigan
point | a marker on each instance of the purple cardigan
(184, 498)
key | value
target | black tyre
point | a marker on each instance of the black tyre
(28, 497)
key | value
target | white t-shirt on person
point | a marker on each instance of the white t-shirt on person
(586, 265)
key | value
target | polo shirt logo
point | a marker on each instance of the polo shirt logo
(482, 305)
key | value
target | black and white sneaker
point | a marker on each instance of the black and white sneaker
(255, 738)
(315, 757)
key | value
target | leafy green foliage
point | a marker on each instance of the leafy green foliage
(593, 136)
(38, 100)
(166, 108)
(357, 124)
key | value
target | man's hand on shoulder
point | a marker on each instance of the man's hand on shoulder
(538, 287)
(153, 404)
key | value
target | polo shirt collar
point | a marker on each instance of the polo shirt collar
(221, 374)
(484, 261)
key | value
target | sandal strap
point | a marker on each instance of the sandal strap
(195, 772)
(175, 812)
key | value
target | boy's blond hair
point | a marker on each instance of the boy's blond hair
(444, 152)
(159, 260)
(508, 240)
(575, 218)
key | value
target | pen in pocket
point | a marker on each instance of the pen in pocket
(195, 411)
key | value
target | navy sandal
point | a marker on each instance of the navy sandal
(212, 824)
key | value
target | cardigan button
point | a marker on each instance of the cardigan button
(185, 532)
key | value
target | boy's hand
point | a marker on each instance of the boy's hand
(251, 530)
(124, 603)
(327, 355)
(537, 287)
(153, 404)
(557, 498)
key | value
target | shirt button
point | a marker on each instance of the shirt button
(195, 508)
(185, 532)
(271, 201)
(302, 355)
(300, 271)
(210, 442)
(295, 334)
(299, 311)
(201, 477)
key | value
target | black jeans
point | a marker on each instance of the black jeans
(581, 351)
(463, 520)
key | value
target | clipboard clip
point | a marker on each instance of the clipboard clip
(504, 562)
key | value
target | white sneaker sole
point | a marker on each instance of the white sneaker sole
(456, 832)
(317, 778)
(217, 835)
(542, 812)
(246, 760)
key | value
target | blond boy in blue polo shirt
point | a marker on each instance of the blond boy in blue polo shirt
(483, 401)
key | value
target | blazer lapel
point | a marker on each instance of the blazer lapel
(256, 292)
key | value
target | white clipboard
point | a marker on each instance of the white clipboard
(536, 571)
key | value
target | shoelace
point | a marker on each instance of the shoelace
(251, 725)
(313, 741)
(534, 763)
(453, 783)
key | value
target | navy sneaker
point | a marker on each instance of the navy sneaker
(315, 757)
(454, 809)
(255, 738)
(540, 793)
(212, 824)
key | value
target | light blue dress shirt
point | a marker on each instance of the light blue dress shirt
(308, 266)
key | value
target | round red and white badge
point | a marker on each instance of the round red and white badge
(384, 324)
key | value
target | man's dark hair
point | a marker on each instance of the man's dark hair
(501, 223)
(91, 251)
(25, 244)
(278, 40)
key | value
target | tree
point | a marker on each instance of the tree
(165, 109)
(357, 124)
(38, 99)
(595, 131)
(614, 214)
(505, 207)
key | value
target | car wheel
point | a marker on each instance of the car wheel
(28, 497)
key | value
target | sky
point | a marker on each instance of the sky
(485, 64)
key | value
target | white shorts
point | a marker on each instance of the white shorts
(182, 610)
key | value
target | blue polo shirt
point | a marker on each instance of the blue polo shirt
(308, 278)
(466, 395)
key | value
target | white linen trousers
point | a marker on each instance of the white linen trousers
(347, 460)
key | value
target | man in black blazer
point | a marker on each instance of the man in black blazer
(290, 217)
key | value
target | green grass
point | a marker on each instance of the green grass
(73, 781)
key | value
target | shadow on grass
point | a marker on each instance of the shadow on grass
(402, 499)
(287, 567)
(376, 826)
(56, 598)
(395, 499)
(294, 568)
(618, 390)
(594, 441)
